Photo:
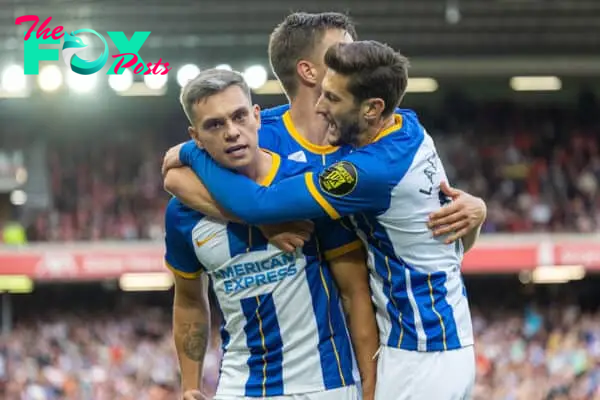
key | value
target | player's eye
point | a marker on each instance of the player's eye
(329, 96)
(213, 125)
(240, 117)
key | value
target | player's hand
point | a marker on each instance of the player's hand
(171, 159)
(288, 236)
(461, 216)
(194, 395)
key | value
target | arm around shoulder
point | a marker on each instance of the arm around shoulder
(184, 184)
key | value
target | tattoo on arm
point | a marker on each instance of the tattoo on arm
(195, 340)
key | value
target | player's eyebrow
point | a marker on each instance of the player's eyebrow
(209, 123)
(241, 111)
(238, 112)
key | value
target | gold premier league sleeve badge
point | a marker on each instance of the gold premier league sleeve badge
(339, 180)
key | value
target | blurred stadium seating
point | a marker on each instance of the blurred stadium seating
(508, 89)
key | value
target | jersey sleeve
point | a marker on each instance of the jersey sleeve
(276, 111)
(287, 200)
(180, 257)
(268, 138)
(358, 183)
(336, 238)
(363, 181)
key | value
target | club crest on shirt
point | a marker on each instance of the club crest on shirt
(339, 180)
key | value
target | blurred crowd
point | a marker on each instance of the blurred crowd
(121, 355)
(108, 190)
(129, 355)
(547, 355)
(537, 168)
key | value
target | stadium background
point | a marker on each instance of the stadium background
(508, 89)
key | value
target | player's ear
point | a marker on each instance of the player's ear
(307, 72)
(372, 109)
(194, 135)
(256, 113)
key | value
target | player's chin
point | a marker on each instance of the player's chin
(238, 161)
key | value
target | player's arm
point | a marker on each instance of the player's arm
(191, 313)
(344, 188)
(470, 238)
(191, 328)
(189, 189)
(347, 261)
(184, 184)
(352, 277)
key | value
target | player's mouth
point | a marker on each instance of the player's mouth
(331, 125)
(237, 150)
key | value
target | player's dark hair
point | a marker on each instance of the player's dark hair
(208, 83)
(374, 70)
(295, 38)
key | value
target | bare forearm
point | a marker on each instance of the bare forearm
(188, 188)
(191, 330)
(352, 278)
(470, 238)
(365, 339)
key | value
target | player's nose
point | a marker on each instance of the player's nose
(232, 133)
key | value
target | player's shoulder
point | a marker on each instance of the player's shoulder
(180, 217)
(269, 115)
(271, 128)
(406, 128)
(388, 157)
(402, 139)
(341, 151)
(289, 168)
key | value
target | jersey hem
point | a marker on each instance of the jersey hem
(290, 390)
(433, 349)
(185, 275)
(340, 251)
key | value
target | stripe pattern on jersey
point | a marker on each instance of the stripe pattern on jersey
(264, 338)
(420, 317)
(325, 300)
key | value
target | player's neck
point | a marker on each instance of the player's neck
(307, 122)
(372, 131)
(260, 168)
